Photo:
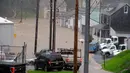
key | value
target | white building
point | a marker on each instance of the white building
(6, 32)
(68, 20)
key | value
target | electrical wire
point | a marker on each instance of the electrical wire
(95, 7)
(60, 4)
(93, 3)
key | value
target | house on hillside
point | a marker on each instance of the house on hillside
(45, 8)
(115, 21)
(120, 21)
(68, 20)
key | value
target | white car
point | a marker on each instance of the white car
(107, 42)
(112, 50)
(122, 47)
(108, 51)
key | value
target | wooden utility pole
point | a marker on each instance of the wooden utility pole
(76, 35)
(54, 26)
(50, 34)
(21, 17)
(86, 45)
(36, 29)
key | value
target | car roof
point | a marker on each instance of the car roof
(122, 45)
(93, 42)
(51, 53)
(114, 37)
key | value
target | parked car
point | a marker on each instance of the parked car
(113, 50)
(30, 61)
(42, 51)
(49, 60)
(67, 55)
(93, 47)
(8, 67)
(121, 48)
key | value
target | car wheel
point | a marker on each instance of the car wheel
(31, 63)
(65, 68)
(35, 66)
(107, 55)
(46, 69)
(60, 69)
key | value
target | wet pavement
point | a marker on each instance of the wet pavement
(99, 58)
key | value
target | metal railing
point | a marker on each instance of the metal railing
(13, 53)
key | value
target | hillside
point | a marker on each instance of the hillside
(118, 63)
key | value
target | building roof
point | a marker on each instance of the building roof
(101, 26)
(3, 20)
(112, 8)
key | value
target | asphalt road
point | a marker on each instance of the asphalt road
(99, 58)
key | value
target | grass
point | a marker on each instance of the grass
(118, 63)
(49, 72)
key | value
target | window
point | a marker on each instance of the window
(114, 39)
(105, 19)
(112, 48)
(126, 9)
(107, 22)
(108, 41)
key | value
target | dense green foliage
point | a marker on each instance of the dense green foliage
(118, 63)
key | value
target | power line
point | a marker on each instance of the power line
(60, 4)
(95, 7)
(93, 3)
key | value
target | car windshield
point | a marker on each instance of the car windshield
(107, 41)
(121, 47)
(114, 39)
